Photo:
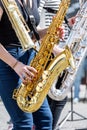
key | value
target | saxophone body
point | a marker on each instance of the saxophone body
(77, 42)
(31, 96)
(18, 23)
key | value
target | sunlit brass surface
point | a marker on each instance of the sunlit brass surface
(18, 23)
(31, 96)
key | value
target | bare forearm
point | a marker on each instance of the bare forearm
(7, 57)
(20, 68)
(42, 32)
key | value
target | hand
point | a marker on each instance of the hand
(61, 32)
(25, 72)
(71, 21)
(57, 50)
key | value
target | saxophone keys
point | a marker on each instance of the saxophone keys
(33, 100)
(41, 61)
(39, 87)
(15, 94)
(21, 99)
(45, 75)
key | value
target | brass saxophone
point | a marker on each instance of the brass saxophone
(18, 23)
(77, 42)
(31, 96)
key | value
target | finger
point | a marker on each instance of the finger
(29, 74)
(32, 69)
(23, 76)
(29, 71)
(25, 79)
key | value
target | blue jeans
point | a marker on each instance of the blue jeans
(79, 75)
(56, 108)
(9, 80)
(85, 65)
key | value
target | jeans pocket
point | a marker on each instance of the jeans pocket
(31, 55)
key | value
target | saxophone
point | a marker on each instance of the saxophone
(77, 42)
(30, 97)
(82, 2)
(18, 23)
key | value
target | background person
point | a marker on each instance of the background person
(81, 73)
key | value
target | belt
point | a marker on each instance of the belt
(12, 45)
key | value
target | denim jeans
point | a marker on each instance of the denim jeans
(56, 108)
(85, 65)
(79, 75)
(9, 80)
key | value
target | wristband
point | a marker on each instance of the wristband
(15, 64)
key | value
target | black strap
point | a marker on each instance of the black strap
(31, 21)
(50, 10)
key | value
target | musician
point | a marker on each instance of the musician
(14, 69)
